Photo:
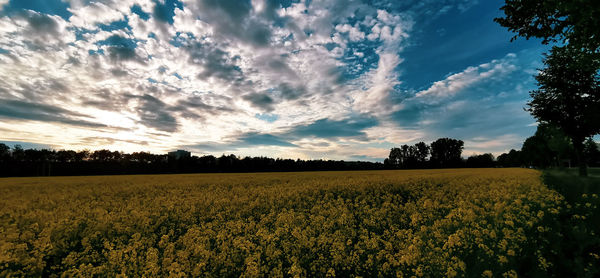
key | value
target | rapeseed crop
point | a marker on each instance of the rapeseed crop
(467, 222)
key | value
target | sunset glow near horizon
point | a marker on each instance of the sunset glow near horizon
(294, 79)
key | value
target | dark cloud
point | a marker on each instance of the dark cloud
(120, 48)
(233, 19)
(208, 147)
(235, 10)
(41, 23)
(196, 107)
(253, 139)
(215, 62)
(16, 109)
(244, 140)
(267, 99)
(278, 65)
(155, 113)
(326, 128)
(106, 99)
(109, 141)
(73, 61)
(42, 30)
(261, 100)
(259, 34)
(118, 72)
(121, 53)
(290, 92)
(57, 86)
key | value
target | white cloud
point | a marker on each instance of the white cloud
(457, 82)
(354, 32)
(376, 99)
(96, 12)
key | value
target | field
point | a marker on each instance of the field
(467, 222)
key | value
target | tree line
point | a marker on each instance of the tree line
(16, 161)
(548, 147)
(551, 147)
(442, 153)
(33, 162)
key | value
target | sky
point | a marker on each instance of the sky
(305, 79)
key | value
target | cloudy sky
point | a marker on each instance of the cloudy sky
(297, 79)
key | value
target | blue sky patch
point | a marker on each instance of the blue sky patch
(136, 9)
(116, 25)
(26, 145)
(165, 11)
(267, 117)
(51, 7)
(451, 43)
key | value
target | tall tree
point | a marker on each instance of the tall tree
(4, 152)
(446, 152)
(591, 152)
(510, 159)
(422, 152)
(481, 160)
(569, 21)
(569, 96)
(549, 146)
(395, 157)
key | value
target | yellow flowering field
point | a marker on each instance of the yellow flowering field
(456, 222)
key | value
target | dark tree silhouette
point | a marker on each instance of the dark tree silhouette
(569, 96)
(33, 162)
(422, 152)
(4, 152)
(591, 152)
(549, 146)
(510, 159)
(395, 158)
(446, 152)
(536, 152)
(408, 156)
(485, 160)
(567, 21)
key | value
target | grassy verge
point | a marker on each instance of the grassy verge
(568, 173)
(578, 250)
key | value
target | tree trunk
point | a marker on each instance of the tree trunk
(578, 145)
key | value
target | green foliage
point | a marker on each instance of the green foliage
(409, 156)
(569, 93)
(547, 147)
(572, 21)
(578, 249)
(485, 160)
(490, 222)
(446, 152)
(591, 152)
(569, 96)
